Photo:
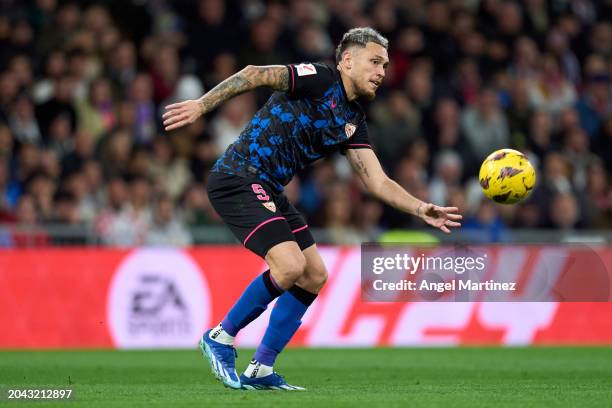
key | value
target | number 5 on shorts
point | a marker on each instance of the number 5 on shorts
(261, 193)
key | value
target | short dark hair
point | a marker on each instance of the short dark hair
(359, 36)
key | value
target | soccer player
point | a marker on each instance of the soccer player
(313, 114)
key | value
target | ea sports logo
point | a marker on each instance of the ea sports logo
(158, 298)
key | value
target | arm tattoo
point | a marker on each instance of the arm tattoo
(232, 86)
(275, 76)
(358, 164)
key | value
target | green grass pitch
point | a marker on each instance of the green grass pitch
(382, 377)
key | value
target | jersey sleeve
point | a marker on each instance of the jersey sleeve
(361, 138)
(309, 80)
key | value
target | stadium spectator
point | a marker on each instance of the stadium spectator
(127, 220)
(213, 21)
(537, 17)
(576, 149)
(60, 138)
(83, 150)
(121, 64)
(166, 228)
(26, 230)
(447, 175)
(97, 113)
(60, 105)
(6, 142)
(525, 60)
(556, 178)
(518, 112)
(115, 151)
(550, 90)
(232, 118)
(598, 203)
(65, 209)
(26, 163)
(59, 28)
(540, 140)
(313, 43)
(141, 94)
(412, 176)
(54, 67)
(168, 171)
(558, 44)
(164, 71)
(21, 66)
(368, 214)
(446, 133)
(223, 66)
(315, 188)
(565, 212)
(204, 156)
(467, 81)
(49, 164)
(486, 225)
(395, 123)
(22, 121)
(595, 104)
(197, 208)
(419, 88)
(485, 125)
(338, 216)
(8, 91)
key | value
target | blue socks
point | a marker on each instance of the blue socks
(285, 319)
(252, 303)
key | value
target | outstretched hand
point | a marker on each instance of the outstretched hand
(440, 217)
(181, 114)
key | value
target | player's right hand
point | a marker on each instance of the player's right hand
(440, 217)
(181, 114)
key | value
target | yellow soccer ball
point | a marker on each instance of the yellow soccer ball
(506, 176)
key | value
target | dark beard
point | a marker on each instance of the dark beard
(367, 96)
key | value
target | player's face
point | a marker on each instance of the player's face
(368, 69)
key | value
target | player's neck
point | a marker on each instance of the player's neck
(348, 86)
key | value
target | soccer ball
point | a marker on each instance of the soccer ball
(506, 176)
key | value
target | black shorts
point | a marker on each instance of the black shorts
(258, 217)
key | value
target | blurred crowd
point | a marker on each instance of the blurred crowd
(83, 85)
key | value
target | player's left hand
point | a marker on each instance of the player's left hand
(440, 217)
(181, 114)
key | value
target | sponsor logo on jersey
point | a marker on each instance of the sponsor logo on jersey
(305, 69)
(349, 129)
(270, 206)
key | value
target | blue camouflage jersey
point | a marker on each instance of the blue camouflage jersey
(313, 119)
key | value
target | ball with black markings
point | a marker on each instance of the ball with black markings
(506, 176)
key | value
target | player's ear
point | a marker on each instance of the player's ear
(347, 59)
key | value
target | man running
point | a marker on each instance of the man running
(313, 114)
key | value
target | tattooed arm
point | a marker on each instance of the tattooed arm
(366, 165)
(249, 78)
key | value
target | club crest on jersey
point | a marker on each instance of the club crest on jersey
(270, 206)
(349, 129)
(305, 69)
